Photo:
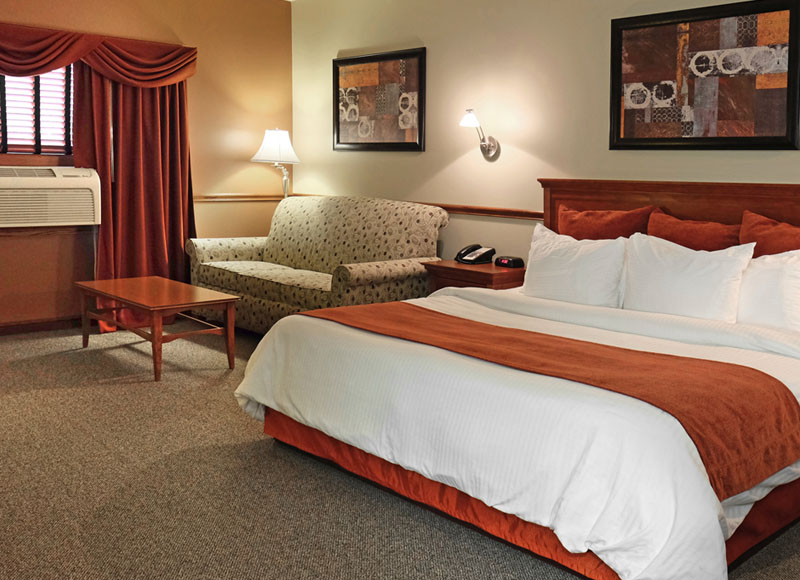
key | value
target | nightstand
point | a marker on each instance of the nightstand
(451, 273)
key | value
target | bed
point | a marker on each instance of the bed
(605, 484)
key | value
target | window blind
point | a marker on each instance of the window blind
(36, 113)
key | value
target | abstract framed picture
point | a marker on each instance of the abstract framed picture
(379, 101)
(720, 77)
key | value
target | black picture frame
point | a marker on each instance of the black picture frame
(380, 116)
(774, 109)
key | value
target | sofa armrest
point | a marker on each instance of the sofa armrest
(202, 250)
(385, 281)
(350, 275)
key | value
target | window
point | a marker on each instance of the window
(36, 113)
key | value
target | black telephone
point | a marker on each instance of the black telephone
(475, 254)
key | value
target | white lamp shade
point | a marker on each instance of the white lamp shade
(276, 148)
(469, 120)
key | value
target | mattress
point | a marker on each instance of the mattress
(605, 472)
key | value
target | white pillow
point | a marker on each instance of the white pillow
(770, 293)
(661, 276)
(570, 270)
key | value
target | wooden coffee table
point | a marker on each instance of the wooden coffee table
(158, 297)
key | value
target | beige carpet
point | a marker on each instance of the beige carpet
(107, 474)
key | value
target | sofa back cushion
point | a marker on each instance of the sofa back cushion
(320, 232)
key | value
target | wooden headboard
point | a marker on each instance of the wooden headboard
(719, 202)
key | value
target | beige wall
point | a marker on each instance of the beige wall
(537, 73)
(242, 86)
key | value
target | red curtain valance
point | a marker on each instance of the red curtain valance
(28, 51)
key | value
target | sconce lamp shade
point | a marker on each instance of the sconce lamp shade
(276, 148)
(470, 119)
(490, 148)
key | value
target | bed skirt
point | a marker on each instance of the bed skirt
(773, 513)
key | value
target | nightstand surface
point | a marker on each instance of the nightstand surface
(451, 273)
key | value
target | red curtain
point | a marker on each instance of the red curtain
(130, 107)
(147, 208)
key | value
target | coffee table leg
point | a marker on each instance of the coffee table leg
(230, 318)
(85, 318)
(156, 329)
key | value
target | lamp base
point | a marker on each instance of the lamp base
(285, 179)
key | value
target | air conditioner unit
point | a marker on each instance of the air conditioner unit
(48, 196)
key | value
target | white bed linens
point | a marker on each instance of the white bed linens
(604, 471)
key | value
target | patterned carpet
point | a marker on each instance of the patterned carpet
(107, 474)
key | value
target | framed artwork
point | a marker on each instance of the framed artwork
(379, 101)
(720, 77)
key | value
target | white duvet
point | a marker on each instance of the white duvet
(605, 472)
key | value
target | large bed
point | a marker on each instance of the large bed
(604, 483)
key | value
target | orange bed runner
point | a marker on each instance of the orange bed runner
(740, 444)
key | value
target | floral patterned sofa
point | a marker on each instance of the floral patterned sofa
(321, 251)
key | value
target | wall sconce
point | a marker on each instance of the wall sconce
(489, 145)
(277, 149)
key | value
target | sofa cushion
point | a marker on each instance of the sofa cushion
(302, 288)
(320, 233)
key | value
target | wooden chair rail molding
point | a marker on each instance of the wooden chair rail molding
(215, 197)
(500, 212)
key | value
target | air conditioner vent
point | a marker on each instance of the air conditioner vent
(69, 197)
(27, 172)
(46, 207)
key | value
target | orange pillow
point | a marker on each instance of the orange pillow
(602, 224)
(770, 236)
(697, 235)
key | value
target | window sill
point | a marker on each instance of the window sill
(27, 159)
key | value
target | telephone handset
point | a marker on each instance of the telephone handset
(475, 254)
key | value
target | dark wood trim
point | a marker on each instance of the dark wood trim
(28, 159)
(216, 197)
(3, 116)
(37, 115)
(46, 231)
(500, 212)
(39, 325)
(695, 200)
(68, 120)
